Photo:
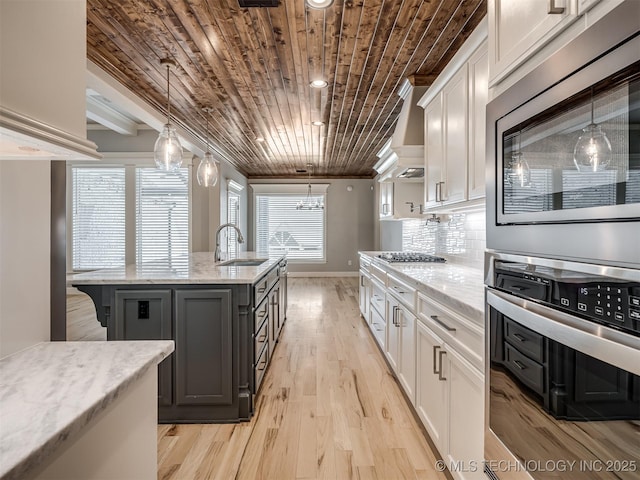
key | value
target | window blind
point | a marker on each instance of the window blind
(233, 207)
(162, 214)
(98, 222)
(280, 228)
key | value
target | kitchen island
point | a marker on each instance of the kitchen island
(225, 318)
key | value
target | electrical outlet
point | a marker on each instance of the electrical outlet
(349, 263)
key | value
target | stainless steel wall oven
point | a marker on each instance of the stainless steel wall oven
(563, 262)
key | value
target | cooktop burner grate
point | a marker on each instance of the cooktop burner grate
(416, 257)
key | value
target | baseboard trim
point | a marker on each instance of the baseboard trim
(322, 274)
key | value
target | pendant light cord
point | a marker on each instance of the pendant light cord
(168, 98)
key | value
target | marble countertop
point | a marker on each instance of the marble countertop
(458, 286)
(195, 268)
(51, 391)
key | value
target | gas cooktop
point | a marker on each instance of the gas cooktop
(410, 257)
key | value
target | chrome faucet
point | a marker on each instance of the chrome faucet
(240, 238)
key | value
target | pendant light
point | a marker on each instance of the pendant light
(309, 203)
(167, 152)
(207, 173)
(519, 173)
(592, 152)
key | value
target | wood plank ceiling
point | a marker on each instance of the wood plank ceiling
(253, 67)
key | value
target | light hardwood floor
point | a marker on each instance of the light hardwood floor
(328, 407)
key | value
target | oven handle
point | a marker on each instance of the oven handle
(607, 344)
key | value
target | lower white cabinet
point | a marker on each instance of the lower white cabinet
(364, 294)
(407, 356)
(392, 348)
(450, 403)
(432, 396)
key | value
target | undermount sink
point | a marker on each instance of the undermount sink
(243, 263)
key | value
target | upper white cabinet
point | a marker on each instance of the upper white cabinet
(523, 33)
(520, 27)
(478, 97)
(399, 199)
(454, 123)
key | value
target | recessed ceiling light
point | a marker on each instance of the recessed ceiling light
(319, 84)
(317, 123)
(259, 139)
(319, 3)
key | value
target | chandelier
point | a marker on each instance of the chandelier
(309, 203)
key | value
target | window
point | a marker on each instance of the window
(98, 222)
(233, 216)
(281, 228)
(162, 214)
(127, 214)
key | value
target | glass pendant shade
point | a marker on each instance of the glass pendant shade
(167, 152)
(207, 173)
(519, 174)
(592, 152)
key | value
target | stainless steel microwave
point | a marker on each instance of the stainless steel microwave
(563, 151)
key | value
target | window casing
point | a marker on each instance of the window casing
(233, 216)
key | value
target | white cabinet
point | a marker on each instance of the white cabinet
(392, 348)
(385, 196)
(455, 131)
(450, 386)
(478, 97)
(407, 356)
(432, 396)
(466, 416)
(396, 199)
(364, 293)
(446, 149)
(519, 28)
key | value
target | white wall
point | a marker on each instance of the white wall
(350, 224)
(25, 220)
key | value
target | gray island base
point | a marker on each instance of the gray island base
(225, 319)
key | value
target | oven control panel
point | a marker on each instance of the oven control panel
(600, 299)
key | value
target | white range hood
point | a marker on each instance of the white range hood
(402, 157)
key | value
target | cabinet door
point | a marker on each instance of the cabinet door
(386, 198)
(478, 96)
(146, 315)
(432, 402)
(455, 115)
(517, 29)
(407, 373)
(203, 355)
(274, 315)
(364, 295)
(392, 345)
(466, 417)
(433, 150)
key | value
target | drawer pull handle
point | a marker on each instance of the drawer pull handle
(553, 9)
(441, 377)
(435, 360)
(262, 338)
(261, 290)
(442, 324)
(519, 337)
(262, 314)
(519, 288)
(519, 364)
(375, 325)
(401, 292)
(394, 317)
(262, 366)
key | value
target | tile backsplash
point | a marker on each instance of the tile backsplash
(461, 236)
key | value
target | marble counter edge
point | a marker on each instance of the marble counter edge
(15, 465)
(451, 301)
(224, 274)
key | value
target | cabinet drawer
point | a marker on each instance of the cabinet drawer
(260, 339)
(260, 368)
(403, 292)
(260, 315)
(262, 287)
(377, 298)
(460, 333)
(528, 371)
(378, 273)
(526, 341)
(365, 264)
(378, 327)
